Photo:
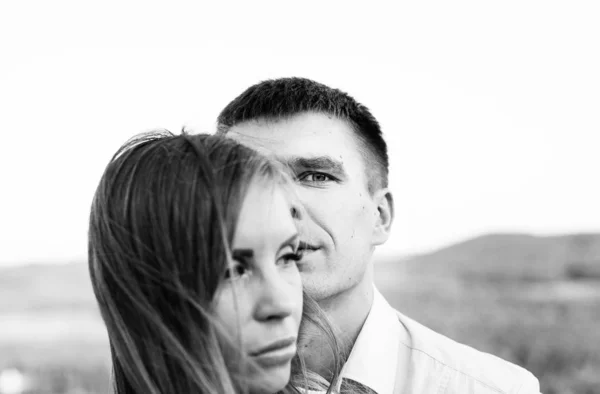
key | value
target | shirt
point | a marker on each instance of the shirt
(394, 354)
(373, 360)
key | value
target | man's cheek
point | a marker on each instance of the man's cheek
(315, 198)
(325, 204)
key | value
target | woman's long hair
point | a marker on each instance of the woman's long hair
(162, 219)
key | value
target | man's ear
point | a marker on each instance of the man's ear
(385, 216)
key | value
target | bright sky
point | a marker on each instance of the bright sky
(490, 109)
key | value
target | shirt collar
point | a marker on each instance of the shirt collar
(373, 360)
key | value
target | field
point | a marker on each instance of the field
(533, 301)
(557, 339)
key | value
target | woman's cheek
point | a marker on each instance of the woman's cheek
(229, 312)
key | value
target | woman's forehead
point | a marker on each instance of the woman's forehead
(265, 218)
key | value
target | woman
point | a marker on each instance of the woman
(192, 255)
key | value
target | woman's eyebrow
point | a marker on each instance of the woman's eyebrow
(242, 254)
(248, 254)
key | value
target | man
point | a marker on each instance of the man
(338, 156)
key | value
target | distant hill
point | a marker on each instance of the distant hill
(42, 287)
(38, 288)
(513, 256)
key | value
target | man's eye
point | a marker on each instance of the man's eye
(235, 271)
(315, 177)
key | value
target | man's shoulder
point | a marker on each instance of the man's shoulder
(458, 366)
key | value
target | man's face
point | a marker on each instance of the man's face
(339, 215)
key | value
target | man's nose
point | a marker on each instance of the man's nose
(276, 300)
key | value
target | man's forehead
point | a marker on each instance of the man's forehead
(261, 142)
(302, 125)
(306, 140)
(288, 149)
(309, 160)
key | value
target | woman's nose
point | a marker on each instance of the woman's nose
(276, 300)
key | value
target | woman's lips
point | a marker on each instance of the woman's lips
(276, 354)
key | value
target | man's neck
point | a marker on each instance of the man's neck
(347, 311)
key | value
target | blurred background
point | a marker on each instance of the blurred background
(490, 110)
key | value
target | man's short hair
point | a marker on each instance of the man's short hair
(285, 97)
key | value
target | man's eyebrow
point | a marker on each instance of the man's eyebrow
(316, 163)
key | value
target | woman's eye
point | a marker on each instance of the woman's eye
(236, 271)
(291, 257)
(315, 177)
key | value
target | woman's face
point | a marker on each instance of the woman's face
(267, 306)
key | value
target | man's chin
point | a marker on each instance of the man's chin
(315, 288)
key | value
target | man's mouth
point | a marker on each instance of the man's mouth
(306, 249)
